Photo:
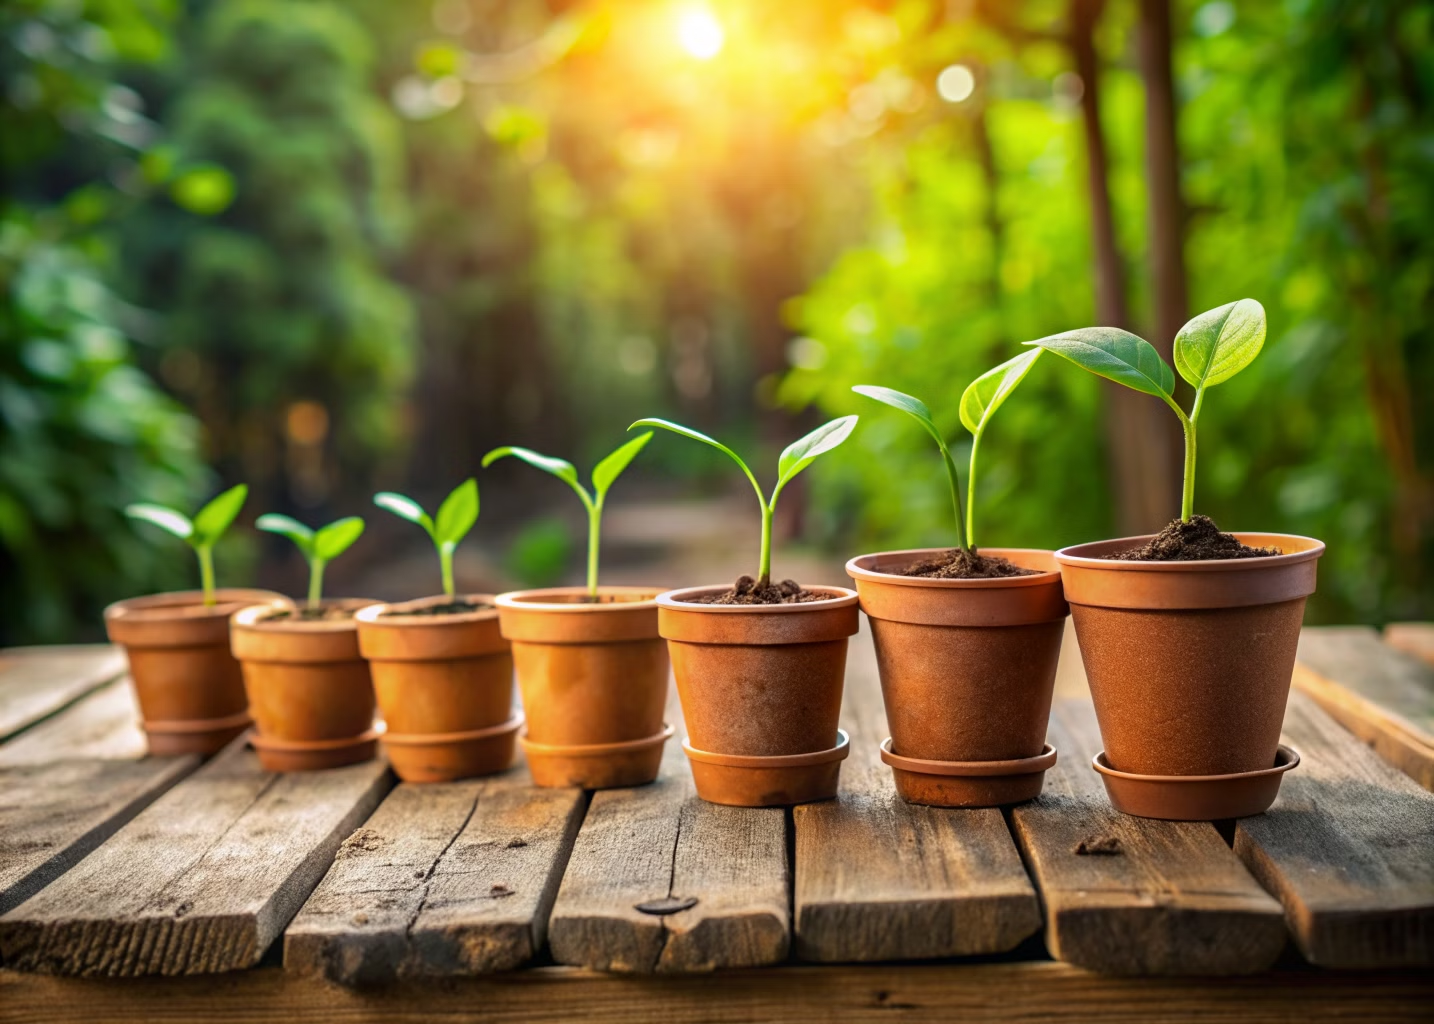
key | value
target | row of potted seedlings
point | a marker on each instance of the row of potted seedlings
(1188, 639)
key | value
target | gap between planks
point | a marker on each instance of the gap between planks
(35, 682)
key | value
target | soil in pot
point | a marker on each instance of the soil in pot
(1199, 540)
(749, 591)
(189, 686)
(960, 564)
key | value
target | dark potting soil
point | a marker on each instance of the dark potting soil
(1199, 540)
(458, 607)
(747, 591)
(324, 614)
(960, 564)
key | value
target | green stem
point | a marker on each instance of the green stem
(1187, 493)
(955, 482)
(316, 582)
(445, 559)
(971, 494)
(594, 534)
(764, 569)
(206, 574)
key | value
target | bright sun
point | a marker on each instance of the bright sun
(700, 34)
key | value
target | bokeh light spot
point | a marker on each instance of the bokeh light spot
(956, 83)
(700, 33)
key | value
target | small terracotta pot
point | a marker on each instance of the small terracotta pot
(445, 686)
(594, 682)
(309, 688)
(760, 681)
(1190, 662)
(190, 688)
(967, 671)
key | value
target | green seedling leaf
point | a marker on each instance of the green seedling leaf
(984, 395)
(606, 472)
(336, 538)
(215, 518)
(917, 410)
(1115, 354)
(405, 508)
(697, 435)
(165, 518)
(560, 468)
(457, 514)
(301, 535)
(804, 451)
(1218, 344)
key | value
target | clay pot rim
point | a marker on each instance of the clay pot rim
(376, 614)
(158, 607)
(431, 739)
(597, 749)
(840, 597)
(182, 726)
(1286, 758)
(258, 740)
(247, 618)
(1041, 762)
(861, 572)
(1309, 549)
(532, 600)
(806, 760)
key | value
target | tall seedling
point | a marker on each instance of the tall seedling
(798, 456)
(455, 518)
(605, 474)
(201, 533)
(1210, 349)
(320, 547)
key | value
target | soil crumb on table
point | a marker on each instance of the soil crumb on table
(960, 564)
(1198, 540)
(747, 591)
(458, 607)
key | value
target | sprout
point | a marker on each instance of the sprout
(320, 546)
(455, 518)
(201, 533)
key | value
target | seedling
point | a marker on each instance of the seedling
(202, 532)
(1210, 349)
(979, 403)
(605, 474)
(455, 518)
(798, 456)
(320, 546)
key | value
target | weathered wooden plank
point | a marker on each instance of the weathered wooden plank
(1127, 895)
(203, 880)
(38, 681)
(456, 878)
(880, 879)
(661, 843)
(1416, 638)
(1382, 695)
(100, 726)
(51, 816)
(960, 993)
(1348, 848)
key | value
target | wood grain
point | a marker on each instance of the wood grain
(1167, 897)
(659, 841)
(457, 878)
(1416, 638)
(880, 879)
(1348, 848)
(38, 681)
(100, 726)
(203, 880)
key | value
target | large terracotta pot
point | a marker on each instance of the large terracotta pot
(1190, 662)
(445, 686)
(309, 688)
(967, 670)
(760, 683)
(594, 682)
(190, 688)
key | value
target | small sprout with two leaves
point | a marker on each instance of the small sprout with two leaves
(798, 456)
(320, 547)
(202, 532)
(604, 475)
(1210, 349)
(979, 403)
(447, 529)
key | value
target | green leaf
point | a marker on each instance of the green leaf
(560, 468)
(606, 472)
(985, 394)
(697, 435)
(802, 452)
(1218, 344)
(1115, 354)
(165, 518)
(216, 517)
(457, 514)
(301, 535)
(913, 407)
(405, 508)
(334, 539)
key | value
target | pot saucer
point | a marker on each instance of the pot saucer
(445, 756)
(968, 783)
(744, 780)
(314, 755)
(596, 765)
(194, 735)
(1196, 797)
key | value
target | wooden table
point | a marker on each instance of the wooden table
(343, 895)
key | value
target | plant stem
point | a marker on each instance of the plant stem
(316, 582)
(764, 569)
(594, 533)
(954, 481)
(1187, 493)
(971, 494)
(445, 559)
(206, 574)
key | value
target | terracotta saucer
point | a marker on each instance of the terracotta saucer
(445, 756)
(597, 765)
(194, 735)
(314, 755)
(1196, 797)
(968, 783)
(744, 780)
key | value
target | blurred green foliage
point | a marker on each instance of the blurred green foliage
(540, 553)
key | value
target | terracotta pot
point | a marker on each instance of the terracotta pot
(759, 681)
(967, 670)
(1190, 662)
(594, 682)
(1196, 797)
(309, 688)
(190, 688)
(445, 686)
